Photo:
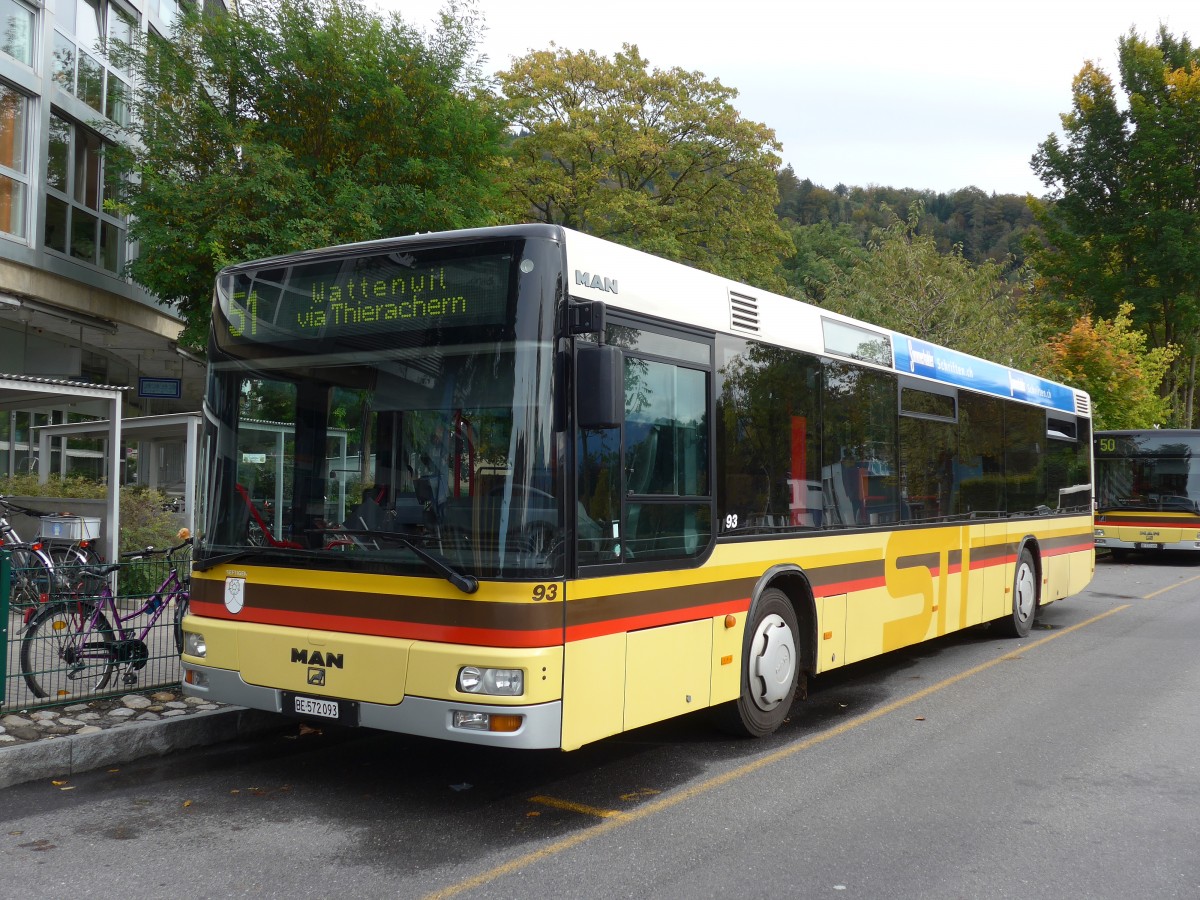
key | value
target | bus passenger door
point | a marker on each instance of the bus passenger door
(644, 504)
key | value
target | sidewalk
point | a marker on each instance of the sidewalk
(58, 743)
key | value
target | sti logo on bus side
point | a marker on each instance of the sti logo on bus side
(587, 279)
(315, 658)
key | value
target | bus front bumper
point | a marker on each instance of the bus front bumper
(541, 726)
(1110, 543)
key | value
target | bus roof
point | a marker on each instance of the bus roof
(633, 280)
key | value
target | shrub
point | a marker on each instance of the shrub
(144, 522)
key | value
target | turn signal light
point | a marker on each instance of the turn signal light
(481, 721)
(505, 723)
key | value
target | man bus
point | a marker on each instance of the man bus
(1147, 490)
(657, 491)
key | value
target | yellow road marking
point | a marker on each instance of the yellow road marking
(577, 807)
(612, 823)
(1171, 587)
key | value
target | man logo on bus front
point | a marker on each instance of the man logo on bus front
(316, 677)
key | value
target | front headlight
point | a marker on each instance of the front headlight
(498, 682)
(193, 644)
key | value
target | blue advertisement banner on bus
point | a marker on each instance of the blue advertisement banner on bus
(930, 361)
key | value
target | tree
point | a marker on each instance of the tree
(1109, 360)
(293, 124)
(1121, 224)
(905, 284)
(820, 251)
(658, 160)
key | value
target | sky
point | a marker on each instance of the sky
(923, 94)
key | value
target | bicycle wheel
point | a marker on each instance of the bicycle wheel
(68, 651)
(70, 566)
(181, 610)
(31, 581)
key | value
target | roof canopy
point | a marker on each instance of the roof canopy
(26, 392)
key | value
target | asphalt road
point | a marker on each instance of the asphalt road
(1063, 765)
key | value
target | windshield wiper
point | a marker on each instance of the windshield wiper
(468, 584)
(205, 563)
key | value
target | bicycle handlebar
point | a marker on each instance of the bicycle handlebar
(23, 510)
(153, 551)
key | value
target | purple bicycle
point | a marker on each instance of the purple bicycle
(73, 648)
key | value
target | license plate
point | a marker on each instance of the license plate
(1145, 546)
(344, 712)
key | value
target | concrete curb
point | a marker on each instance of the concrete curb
(76, 753)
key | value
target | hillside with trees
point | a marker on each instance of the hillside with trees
(985, 226)
(236, 151)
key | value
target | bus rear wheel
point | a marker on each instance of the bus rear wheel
(770, 668)
(1019, 621)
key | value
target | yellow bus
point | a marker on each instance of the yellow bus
(1147, 490)
(523, 487)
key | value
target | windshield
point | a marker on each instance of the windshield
(388, 413)
(1151, 472)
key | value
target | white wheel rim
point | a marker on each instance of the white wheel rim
(772, 662)
(1026, 589)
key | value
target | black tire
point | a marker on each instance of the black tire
(1019, 621)
(61, 658)
(181, 610)
(770, 668)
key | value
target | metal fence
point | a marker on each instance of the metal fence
(60, 649)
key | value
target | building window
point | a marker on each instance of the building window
(63, 63)
(79, 67)
(167, 11)
(90, 84)
(16, 31)
(78, 181)
(14, 161)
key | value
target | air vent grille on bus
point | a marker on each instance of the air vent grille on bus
(743, 313)
(1083, 404)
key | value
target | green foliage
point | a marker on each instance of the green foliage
(821, 251)
(906, 284)
(658, 160)
(295, 124)
(1109, 360)
(1121, 224)
(979, 225)
(144, 522)
(26, 485)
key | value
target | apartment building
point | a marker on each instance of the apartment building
(67, 313)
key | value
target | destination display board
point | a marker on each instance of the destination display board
(364, 296)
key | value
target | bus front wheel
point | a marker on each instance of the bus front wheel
(770, 667)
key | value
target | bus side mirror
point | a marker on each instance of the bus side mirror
(599, 386)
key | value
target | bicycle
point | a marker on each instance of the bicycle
(72, 648)
(32, 573)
